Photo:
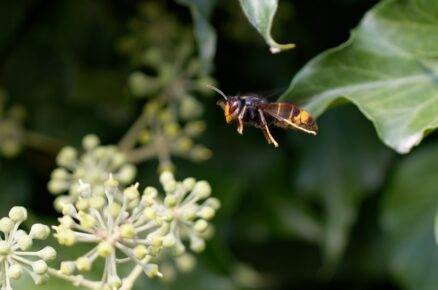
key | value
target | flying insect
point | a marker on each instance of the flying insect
(258, 112)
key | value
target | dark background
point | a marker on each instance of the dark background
(59, 60)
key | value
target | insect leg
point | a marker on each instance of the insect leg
(240, 120)
(265, 129)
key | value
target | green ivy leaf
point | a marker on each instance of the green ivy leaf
(408, 218)
(260, 14)
(388, 69)
(205, 34)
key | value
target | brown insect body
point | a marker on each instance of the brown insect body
(260, 113)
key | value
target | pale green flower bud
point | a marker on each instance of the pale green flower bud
(67, 267)
(114, 209)
(65, 237)
(39, 279)
(197, 244)
(150, 213)
(66, 221)
(18, 214)
(39, 232)
(127, 173)
(202, 189)
(200, 153)
(69, 210)
(171, 200)
(189, 213)
(127, 231)
(150, 192)
(169, 241)
(206, 212)
(112, 183)
(140, 252)
(185, 262)
(56, 186)
(152, 271)
(5, 248)
(141, 84)
(170, 186)
(83, 264)
(104, 249)
(190, 108)
(90, 142)
(131, 192)
(6, 225)
(114, 282)
(200, 225)
(67, 156)
(213, 202)
(87, 221)
(39, 267)
(15, 271)
(166, 177)
(178, 249)
(82, 204)
(184, 144)
(47, 253)
(189, 183)
(60, 174)
(24, 243)
(97, 201)
(195, 128)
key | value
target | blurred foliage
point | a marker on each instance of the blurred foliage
(335, 211)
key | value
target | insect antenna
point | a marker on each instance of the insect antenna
(218, 91)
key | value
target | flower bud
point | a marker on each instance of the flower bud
(67, 267)
(170, 201)
(131, 192)
(83, 264)
(127, 231)
(152, 271)
(189, 183)
(18, 214)
(47, 253)
(6, 225)
(15, 271)
(197, 244)
(90, 142)
(24, 243)
(202, 189)
(200, 225)
(140, 251)
(185, 262)
(39, 232)
(5, 248)
(67, 156)
(206, 213)
(39, 267)
(104, 249)
(127, 173)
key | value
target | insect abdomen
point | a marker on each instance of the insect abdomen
(288, 113)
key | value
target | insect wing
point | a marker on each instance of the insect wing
(288, 115)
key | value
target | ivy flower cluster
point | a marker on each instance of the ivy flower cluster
(124, 225)
(15, 243)
(93, 166)
(167, 73)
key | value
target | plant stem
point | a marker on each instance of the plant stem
(141, 154)
(130, 138)
(42, 142)
(77, 280)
